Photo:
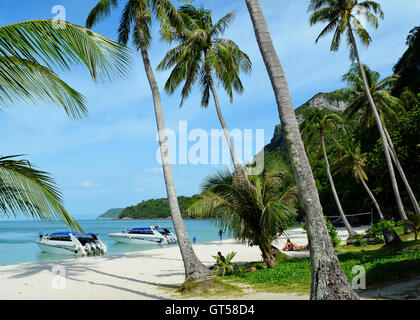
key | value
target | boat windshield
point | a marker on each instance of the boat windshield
(140, 231)
(163, 231)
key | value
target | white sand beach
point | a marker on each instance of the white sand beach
(151, 274)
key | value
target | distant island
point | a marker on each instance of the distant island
(111, 214)
(149, 209)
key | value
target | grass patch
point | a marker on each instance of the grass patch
(212, 287)
(383, 265)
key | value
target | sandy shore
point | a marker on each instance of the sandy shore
(151, 274)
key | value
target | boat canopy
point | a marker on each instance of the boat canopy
(73, 233)
(148, 228)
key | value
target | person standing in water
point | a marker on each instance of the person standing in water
(220, 234)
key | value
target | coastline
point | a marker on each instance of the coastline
(150, 274)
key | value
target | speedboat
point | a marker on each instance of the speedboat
(146, 235)
(79, 244)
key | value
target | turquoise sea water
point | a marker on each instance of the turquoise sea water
(17, 238)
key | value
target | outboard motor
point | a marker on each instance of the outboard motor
(79, 248)
(102, 246)
(94, 248)
(88, 248)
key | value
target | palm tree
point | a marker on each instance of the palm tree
(28, 53)
(319, 121)
(343, 16)
(328, 279)
(202, 54)
(136, 21)
(355, 161)
(388, 107)
(255, 215)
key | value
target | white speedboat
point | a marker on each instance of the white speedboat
(146, 235)
(79, 244)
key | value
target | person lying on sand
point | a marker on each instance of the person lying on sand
(293, 246)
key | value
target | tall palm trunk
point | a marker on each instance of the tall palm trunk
(372, 197)
(236, 163)
(194, 269)
(397, 163)
(328, 279)
(334, 191)
(380, 128)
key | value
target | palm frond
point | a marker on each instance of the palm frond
(43, 42)
(24, 80)
(101, 11)
(31, 193)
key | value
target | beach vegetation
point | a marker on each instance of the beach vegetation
(383, 266)
(321, 122)
(225, 266)
(255, 213)
(412, 224)
(343, 17)
(324, 263)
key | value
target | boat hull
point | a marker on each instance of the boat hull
(136, 239)
(59, 248)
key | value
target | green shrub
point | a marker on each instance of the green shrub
(360, 242)
(225, 267)
(376, 230)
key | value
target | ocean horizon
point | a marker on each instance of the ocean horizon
(18, 237)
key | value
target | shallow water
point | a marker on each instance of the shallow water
(17, 238)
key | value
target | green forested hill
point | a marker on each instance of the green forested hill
(155, 208)
(111, 214)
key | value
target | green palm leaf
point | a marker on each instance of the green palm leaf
(43, 42)
(27, 81)
(31, 193)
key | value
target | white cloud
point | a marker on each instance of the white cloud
(89, 184)
(153, 170)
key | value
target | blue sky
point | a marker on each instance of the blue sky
(109, 159)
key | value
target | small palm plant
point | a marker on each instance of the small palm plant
(225, 267)
(256, 212)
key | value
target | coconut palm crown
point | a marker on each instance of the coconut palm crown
(388, 106)
(202, 53)
(343, 17)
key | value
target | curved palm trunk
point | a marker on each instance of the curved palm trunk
(372, 197)
(381, 130)
(397, 163)
(269, 255)
(334, 191)
(194, 269)
(236, 163)
(328, 279)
